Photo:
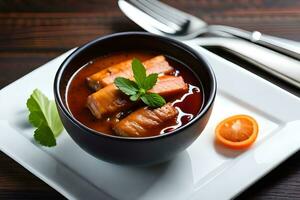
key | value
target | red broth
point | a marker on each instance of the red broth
(188, 104)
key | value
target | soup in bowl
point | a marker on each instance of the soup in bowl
(134, 98)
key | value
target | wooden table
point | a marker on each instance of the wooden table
(33, 32)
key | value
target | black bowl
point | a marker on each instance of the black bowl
(134, 151)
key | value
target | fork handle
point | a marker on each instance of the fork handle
(279, 65)
(285, 46)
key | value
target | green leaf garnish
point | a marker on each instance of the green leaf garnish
(153, 100)
(139, 72)
(138, 89)
(44, 136)
(44, 116)
(127, 86)
(135, 97)
(150, 81)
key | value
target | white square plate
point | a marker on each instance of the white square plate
(203, 171)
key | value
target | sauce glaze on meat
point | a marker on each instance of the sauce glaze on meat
(188, 104)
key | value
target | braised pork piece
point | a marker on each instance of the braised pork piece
(110, 99)
(95, 100)
(145, 120)
(107, 76)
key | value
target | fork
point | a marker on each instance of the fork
(159, 18)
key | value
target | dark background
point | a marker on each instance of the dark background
(32, 32)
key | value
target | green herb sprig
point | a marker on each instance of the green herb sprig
(44, 116)
(138, 89)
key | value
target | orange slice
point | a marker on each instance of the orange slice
(237, 132)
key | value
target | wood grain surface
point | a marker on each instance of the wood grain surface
(33, 32)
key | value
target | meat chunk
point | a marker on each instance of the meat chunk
(106, 101)
(145, 120)
(169, 85)
(110, 99)
(94, 81)
(158, 64)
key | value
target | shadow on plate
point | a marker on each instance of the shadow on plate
(229, 153)
(124, 182)
(22, 120)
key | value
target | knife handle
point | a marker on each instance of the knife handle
(279, 65)
(288, 47)
(285, 46)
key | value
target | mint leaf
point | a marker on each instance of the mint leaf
(142, 84)
(36, 117)
(153, 100)
(127, 86)
(44, 116)
(135, 97)
(44, 136)
(53, 119)
(139, 72)
(150, 81)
